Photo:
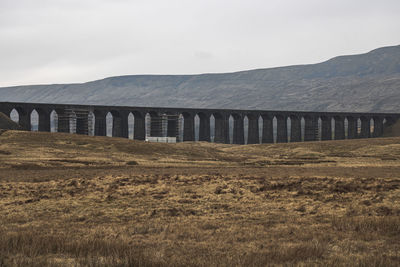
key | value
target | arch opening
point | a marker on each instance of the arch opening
(275, 128)
(231, 122)
(196, 127)
(14, 115)
(260, 129)
(319, 129)
(109, 124)
(131, 126)
(34, 121)
(212, 128)
(53, 121)
(371, 126)
(246, 129)
(302, 128)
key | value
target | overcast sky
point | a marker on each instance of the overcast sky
(65, 41)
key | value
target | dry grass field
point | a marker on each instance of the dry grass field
(69, 200)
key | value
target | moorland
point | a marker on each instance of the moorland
(71, 200)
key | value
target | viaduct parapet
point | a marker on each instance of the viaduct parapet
(217, 125)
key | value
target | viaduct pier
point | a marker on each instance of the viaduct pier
(193, 124)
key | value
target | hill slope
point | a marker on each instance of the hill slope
(7, 124)
(366, 82)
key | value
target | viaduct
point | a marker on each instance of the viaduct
(218, 125)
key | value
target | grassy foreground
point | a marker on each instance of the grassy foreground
(69, 200)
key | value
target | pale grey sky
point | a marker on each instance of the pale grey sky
(66, 41)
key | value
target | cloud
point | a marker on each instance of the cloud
(54, 41)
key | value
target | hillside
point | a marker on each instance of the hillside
(7, 124)
(365, 82)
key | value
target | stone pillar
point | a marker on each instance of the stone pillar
(281, 129)
(267, 133)
(82, 121)
(352, 128)
(310, 128)
(25, 119)
(188, 127)
(326, 128)
(120, 124)
(44, 120)
(295, 129)
(172, 126)
(238, 130)
(204, 128)
(339, 128)
(253, 130)
(221, 126)
(81, 125)
(100, 123)
(156, 125)
(378, 127)
(63, 121)
(139, 131)
(365, 127)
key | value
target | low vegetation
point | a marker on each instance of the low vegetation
(69, 200)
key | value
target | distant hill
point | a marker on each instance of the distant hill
(365, 82)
